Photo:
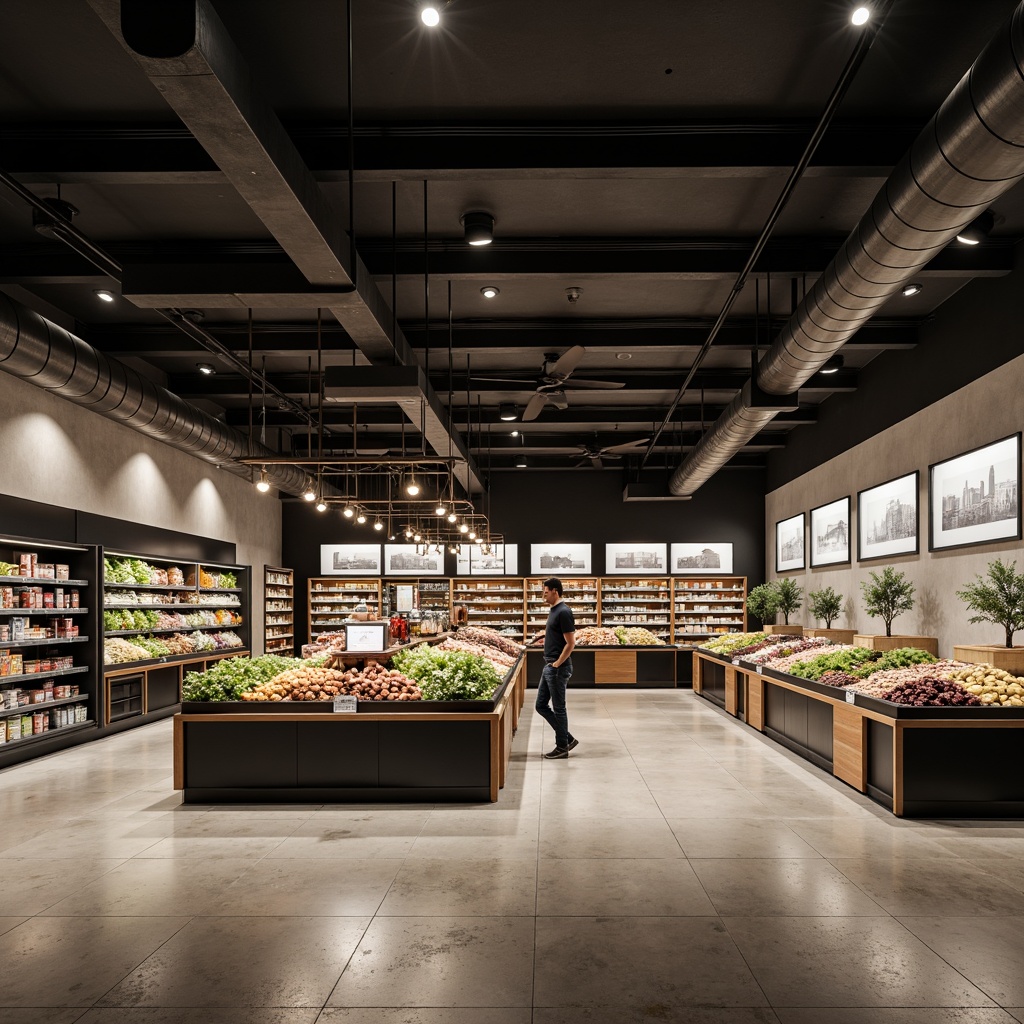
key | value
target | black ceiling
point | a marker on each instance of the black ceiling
(632, 152)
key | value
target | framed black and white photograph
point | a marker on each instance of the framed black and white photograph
(974, 498)
(887, 518)
(789, 543)
(629, 559)
(404, 560)
(502, 560)
(349, 559)
(550, 559)
(709, 558)
(830, 533)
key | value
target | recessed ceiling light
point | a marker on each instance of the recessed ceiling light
(912, 289)
(860, 15)
(624, 355)
(490, 292)
(513, 433)
(206, 368)
(833, 365)
(103, 295)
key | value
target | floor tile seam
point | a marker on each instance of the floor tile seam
(345, 966)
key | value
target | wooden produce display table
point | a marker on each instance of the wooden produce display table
(917, 762)
(653, 666)
(300, 752)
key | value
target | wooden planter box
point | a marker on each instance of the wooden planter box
(880, 642)
(1009, 659)
(783, 630)
(838, 636)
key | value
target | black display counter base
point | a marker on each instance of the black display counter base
(647, 667)
(807, 754)
(441, 794)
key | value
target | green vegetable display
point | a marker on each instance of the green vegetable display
(902, 657)
(847, 660)
(448, 675)
(230, 678)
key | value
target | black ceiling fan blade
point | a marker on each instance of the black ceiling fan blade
(595, 461)
(582, 462)
(533, 408)
(624, 447)
(592, 385)
(567, 362)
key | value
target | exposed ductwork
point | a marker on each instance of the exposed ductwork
(53, 359)
(969, 154)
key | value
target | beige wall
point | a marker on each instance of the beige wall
(55, 452)
(990, 408)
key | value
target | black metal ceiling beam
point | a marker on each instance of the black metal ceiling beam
(167, 153)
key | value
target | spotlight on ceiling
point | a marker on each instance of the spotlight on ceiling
(513, 433)
(507, 411)
(360, 517)
(207, 369)
(452, 516)
(479, 227)
(913, 288)
(309, 494)
(490, 292)
(861, 15)
(321, 505)
(430, 12)
(834, 365)
(378, 525)
(521, 462)
(978, 230)
(263, 484)
(103, 295)
(411, 487)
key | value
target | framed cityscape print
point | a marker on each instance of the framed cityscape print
(789, 543)
(551, 558)
(887, 518)
(830, 533)
(405, 560)
(709, 558)
(349, 559)
(501, 560)
(628, 559)
(974, 498)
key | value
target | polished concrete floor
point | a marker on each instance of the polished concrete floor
(678, 867)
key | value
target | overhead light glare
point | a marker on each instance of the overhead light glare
(417, 537)
(263, 484)
(478, 227)
(321, 505)
(103, 295)
(430, 16)
(514, 433)
(521, 462)
(378, 525)
(440, 510)
(411, 487)
(348, 512)
(861, 15)
(507, 411)
(360, 517)
(978, 230)
(309, 494)
(408, 533)
(206, 368)
(452, 516)
(463, 528)
(490, 292)
(834, 365)
(472, 534)
(912, 289)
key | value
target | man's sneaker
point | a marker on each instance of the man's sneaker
(557, 752)
(573, 743)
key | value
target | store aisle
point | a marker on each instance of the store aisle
(677, 867)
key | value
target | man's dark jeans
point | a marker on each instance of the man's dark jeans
(551, 691)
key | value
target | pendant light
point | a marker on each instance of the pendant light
(263, 484)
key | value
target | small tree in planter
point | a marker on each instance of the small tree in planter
(825, 605)
(790, 597)
(763, 602)
(888, 595)
(1000, 599)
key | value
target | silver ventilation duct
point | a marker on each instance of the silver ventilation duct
(969, 154)
(46, 355)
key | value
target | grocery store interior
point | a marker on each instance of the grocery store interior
(330, 331)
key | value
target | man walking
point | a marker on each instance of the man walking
(559, 641)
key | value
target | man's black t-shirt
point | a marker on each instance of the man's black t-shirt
(560, 621)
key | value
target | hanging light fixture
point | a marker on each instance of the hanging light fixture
(348, 511)
(309, 494)
(408, 533)
(417, 537)
(463, 528)
(321, 505)
(478, 227)
(360, 517)
(378, 525)
(452, 517)
(263, 484)
(441, 509)
(412, 488)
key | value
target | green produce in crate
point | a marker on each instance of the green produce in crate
(846, 660)
(901, 657)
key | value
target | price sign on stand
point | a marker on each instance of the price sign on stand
(346, 704)
(851, 697)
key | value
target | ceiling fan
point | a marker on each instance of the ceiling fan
(595, 453)
(554, 380)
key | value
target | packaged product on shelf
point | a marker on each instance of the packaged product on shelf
(7, 597)
(26, 726)
(45, 571)
(13, 729)
(61, 571)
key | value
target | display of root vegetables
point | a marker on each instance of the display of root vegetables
(490, 638)
(595, 636)
(990, 685)
(374, 682)
(931, 693)
(499, 659)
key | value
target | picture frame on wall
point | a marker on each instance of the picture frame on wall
(830, 533)
(629, 559)
(550, 559)
(350, 560)
(502, 560)
(789, 543)
(888, 518)
(404, 560)
(707, 558)
(974, 498)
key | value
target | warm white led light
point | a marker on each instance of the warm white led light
(361, 518)
(463, 528)
(263, 484)
(430, 16)
(440, 510)
(348, 512)
(378, 525)
(412, 488)
(860, 15)
(321, 505)
(452, 517)
(309, 494)
(103, 295)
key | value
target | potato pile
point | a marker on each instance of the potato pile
(374, 682)
(990, 685)
(596, 636)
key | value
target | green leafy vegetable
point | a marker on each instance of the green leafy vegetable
(847, 661)
(230, 678)
(448, 675)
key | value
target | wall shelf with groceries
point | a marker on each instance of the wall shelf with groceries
(47, 659)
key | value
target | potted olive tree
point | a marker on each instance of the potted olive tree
(790, 600)
(998, 598)
(886, 597)
(826, 605)
(763, 603)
